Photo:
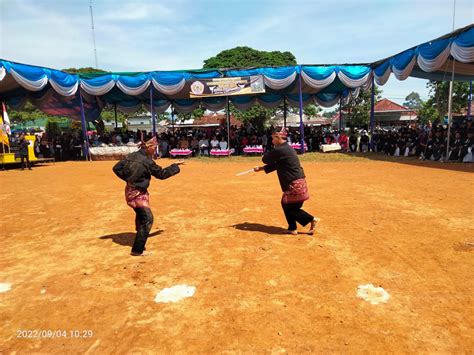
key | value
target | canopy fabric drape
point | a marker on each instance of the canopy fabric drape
(429, 60)
(57, 91)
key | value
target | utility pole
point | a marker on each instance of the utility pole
(93, 35)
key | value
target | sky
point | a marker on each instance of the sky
(145, 35)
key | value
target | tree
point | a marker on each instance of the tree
(358, 109)
(86, 70)
(428, 113)
(311, 111)
(52, 128)
(439, 96)
(329, 114)
(413, 101)
(195, 114)
(257, 115)
(242, 57)
(436, 107)
(27, 113)
(108, 115)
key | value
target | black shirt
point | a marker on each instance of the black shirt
(137, 169)
(23, 145)
(284, 160)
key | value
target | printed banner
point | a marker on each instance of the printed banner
(245, 85)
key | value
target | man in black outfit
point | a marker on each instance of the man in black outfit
(468, 144)
(285, 161)
(23, 145)
(137, 169)
(455, 147)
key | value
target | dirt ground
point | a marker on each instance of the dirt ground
(66, 234)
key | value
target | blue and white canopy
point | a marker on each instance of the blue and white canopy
(432, 60)
(323, 85)
(57, 92)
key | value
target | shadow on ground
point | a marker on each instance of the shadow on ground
(257, 227)
(127, 238)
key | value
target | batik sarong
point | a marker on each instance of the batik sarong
(297, 192)
(137, 198)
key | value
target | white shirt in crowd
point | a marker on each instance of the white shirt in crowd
(223, 145)
(215, 143)
(203, 143)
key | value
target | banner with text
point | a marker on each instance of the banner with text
(245, 85)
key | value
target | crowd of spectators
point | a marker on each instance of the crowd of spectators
(422, 141)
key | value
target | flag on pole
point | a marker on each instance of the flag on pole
(3, 134)
(6, 119)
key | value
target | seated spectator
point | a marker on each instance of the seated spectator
(264, 142)
(214, 143)
(364, 142)
(163, 145)
(468, 146)
(222, 144)
(455, 147)
(194, 146)
(204, 146)
(353, 142)
(343, 142)
(183, 143)
(244, 142)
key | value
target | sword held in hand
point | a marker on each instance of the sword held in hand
(244, 172)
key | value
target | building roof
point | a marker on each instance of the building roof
(386, 105)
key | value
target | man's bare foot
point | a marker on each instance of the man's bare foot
(312, 227)
(295, 232)
(145, 253)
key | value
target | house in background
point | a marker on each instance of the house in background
(293, 120)
(389, 113)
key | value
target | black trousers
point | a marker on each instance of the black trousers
(143, 223)
(28, 164)
(294, 213)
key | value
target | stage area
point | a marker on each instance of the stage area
(402, 225)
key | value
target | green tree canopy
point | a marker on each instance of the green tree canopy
(358, 109)
(27, 113)
(436, 107)
(242, 57)
(86, 70)
(413, 101)
(311, 111)
(439, 95)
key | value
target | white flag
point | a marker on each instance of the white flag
(6, 120)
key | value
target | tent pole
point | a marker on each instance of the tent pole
(469, 101)
(227, 112)
(450, 113)
(450, 98)
(301, 113)
(84, 127)
(152, 111)
(115, 112)
(284, 111)
(172, 118)
(340, 113)
(372, 106)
